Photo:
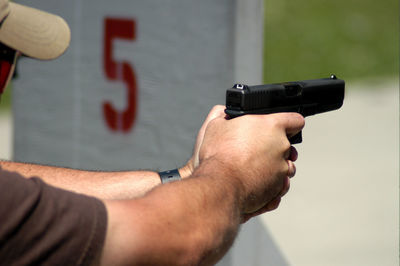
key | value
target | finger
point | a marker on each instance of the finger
(293, 123)
(270, 206)
(291, 169)
(216, 111)
(293, 154)
(286, 187)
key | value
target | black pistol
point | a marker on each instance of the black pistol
(307, 97)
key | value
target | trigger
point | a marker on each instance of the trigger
(296, 138)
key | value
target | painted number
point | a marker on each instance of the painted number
(119, 120)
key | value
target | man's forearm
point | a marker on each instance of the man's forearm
(191, 222)
(104, 185)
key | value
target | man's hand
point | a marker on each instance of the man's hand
(290, 154)
(188, 169)
(257, 152)
(274, 203)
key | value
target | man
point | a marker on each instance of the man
(240, 168)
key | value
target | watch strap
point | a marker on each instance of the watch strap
(169, 176)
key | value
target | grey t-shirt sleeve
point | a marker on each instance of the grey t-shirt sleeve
(44, 225)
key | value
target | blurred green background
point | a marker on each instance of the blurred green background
(354, 39)
(5, 100)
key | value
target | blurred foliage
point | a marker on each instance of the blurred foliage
(353, 39)
(5, 100)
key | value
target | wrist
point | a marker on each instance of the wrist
(222, 175)
(186, 170)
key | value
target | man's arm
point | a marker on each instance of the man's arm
(105, 185)
(243, 169)
(191, 222)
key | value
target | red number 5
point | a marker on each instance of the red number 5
(119, 120)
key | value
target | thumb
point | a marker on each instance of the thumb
(216, 111)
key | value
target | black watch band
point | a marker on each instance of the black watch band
(169, 176)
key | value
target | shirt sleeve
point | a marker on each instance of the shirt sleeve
(44, 225)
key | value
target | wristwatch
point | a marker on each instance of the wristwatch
(169, 176)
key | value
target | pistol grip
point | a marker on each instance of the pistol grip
(296, 138)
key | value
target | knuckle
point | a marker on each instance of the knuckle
(218, 108)
(286, 145)
(302, 120)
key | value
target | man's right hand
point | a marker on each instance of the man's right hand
(256, 152)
